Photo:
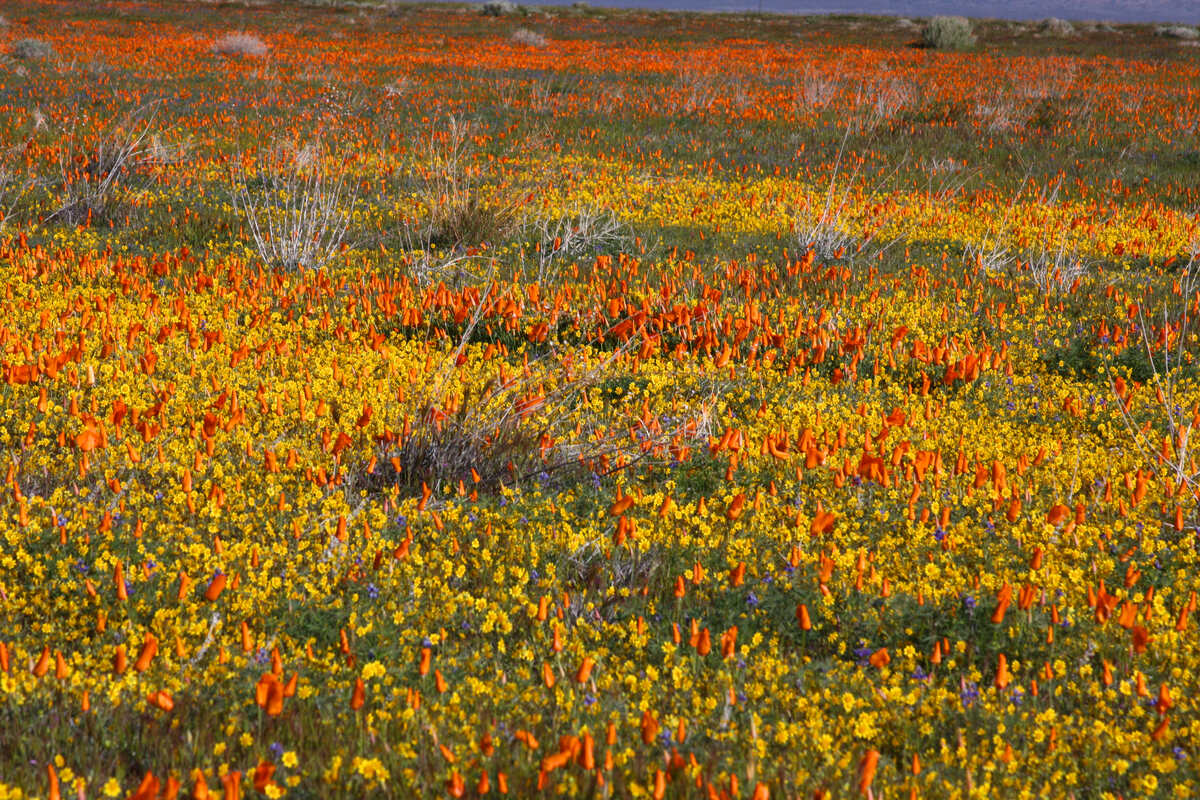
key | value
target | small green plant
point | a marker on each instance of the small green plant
(1077, 358)
(949, 33)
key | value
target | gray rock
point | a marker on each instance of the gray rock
(1178, 32)
(499, 8)
(1054, 26)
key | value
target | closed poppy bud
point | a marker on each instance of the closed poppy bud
(587, 756)
(736, 507)
(275, 699)
(43, 663)
(803, 618)
(866, 770)
(120, 661)
(232, 781)
(262, 775)
(649, 727)
(161, 699)
(119, 582)
(423, 664)
(147, 789)
(149, 650)
(215, 588)
(200, 787)
(262, 689)
(1160, 731)
(1164, 703)
(1003, 676)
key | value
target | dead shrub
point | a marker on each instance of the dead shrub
(297, 204)
(103, 165)
(537, 423)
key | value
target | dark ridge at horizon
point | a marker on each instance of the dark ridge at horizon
(1123, 11)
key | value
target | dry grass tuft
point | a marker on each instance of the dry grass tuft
(528, 38)
(240, 44)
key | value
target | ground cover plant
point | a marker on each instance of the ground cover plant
(410, 401)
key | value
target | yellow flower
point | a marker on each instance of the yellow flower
(289, 759)
(371, 769)
(111, 788)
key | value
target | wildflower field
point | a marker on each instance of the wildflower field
(406, 402)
